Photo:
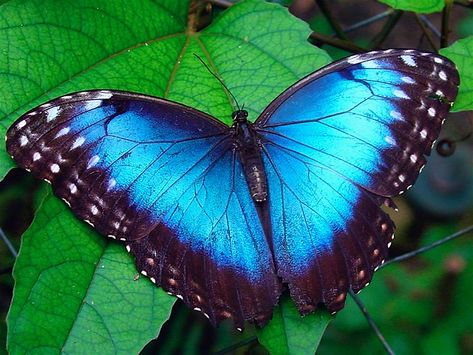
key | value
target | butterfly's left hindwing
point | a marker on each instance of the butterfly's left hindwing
(336, 145)
(164, 179)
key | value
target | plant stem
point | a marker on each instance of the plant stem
(428, 247)
(368, 21)
(371, 322)
(447, 10)
(426, 32)
(430, 25)
(464, 3)
(8, 243)
(331, 20)
(224, 4)
(336, 42)
(386, 30)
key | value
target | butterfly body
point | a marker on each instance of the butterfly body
(224, 216)
(249, 147)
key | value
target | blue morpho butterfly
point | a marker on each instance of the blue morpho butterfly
(223, 216)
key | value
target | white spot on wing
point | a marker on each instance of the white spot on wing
(55, 168)
(413, 158)
(438, 60)
(396, 114)
(442, 75)
(53, 113)
(401, 94)
(93, 161)
(390, 140)
(78, 142)
(104, 94)
(111, 184)
(23, 141)
(355, 59)
(371, 64)
(36, 156)
(21, 124)
(63, 131)
(408, 60)
(72, 188)
(94, 210)
(423, 134)
(90, 105)
(408, 80)
(431, 112)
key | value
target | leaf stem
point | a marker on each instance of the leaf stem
(429, 247)
(336, 42)
(447, 10)
(368, 21)
(426, 32)
(8, 244)
(430, 25)
(224, 4)
(386, 30)
(331, 20)
(371, 322)
(464, 3)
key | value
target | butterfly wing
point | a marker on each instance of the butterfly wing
(144, 171)
(337, 145)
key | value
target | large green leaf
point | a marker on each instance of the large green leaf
(75, 291)
(64, 299)
(289, 334)
(419, 6)
(461, 52)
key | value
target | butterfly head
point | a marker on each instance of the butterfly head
(240, 116)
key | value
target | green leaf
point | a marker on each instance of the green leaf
(461, 52)
(75, 291)
(63, 301)
(418, 6)
(289, 333)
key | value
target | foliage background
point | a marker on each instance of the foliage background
(75, 291)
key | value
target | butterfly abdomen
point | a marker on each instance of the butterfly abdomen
(251, 160)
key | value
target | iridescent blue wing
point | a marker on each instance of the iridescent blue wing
(161, 177)
(337, 145)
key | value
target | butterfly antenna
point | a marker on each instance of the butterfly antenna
(220, 80)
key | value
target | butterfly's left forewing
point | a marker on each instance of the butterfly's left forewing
(163, 178)
(336, 145)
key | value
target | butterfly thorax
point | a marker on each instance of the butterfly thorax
(246, 143)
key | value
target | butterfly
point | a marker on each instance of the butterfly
(225, 217)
